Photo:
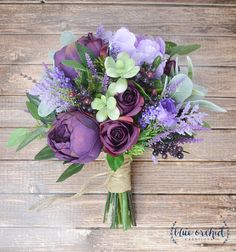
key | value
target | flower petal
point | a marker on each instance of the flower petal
(114, 113)
(101, 115)
(111, 103)
(132, 72)
(97, 104)
(121, 85)
(111, 72)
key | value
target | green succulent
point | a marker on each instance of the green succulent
(106, 107)
(124, 68)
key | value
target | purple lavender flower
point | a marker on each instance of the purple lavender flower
(53, 90)
(90, 65)
(105, 82)
(103, 34)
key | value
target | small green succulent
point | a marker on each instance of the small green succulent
(124, 68)
(106, 107)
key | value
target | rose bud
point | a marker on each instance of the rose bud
(118, 136)
(130, 102)
(74, 137)
(170, 64)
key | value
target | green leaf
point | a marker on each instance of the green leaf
(33, 99)
(190, 68)
(169, 46)
(115, 162)
(45, 153)
(74, 64)
(184, 87)
(183, 49)
(156, 62)
(16, 137)
(82, 50)
(71, 170)
(31, 136)
(142, 91)
(33, 109)
(208, 105)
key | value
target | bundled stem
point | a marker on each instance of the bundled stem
(119, 210)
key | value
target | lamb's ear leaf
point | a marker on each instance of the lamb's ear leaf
(115, 162)
(67, 38)
(45, 153)
(16, 137)
(208, 105)
(31, 136)
(190, 67)
(71, 170)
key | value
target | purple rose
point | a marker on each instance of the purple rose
(118, 136)
(74, 137)
(68, 52)
(167, 112)
(130, 102)
(95, 44)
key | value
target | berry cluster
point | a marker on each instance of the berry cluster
(164, 148)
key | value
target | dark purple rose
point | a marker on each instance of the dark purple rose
(130, 102)
(170, 64)
(74, 137)
(118, 136)
(68, 52)
(95, 44)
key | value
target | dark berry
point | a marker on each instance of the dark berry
(87, 100)
(164, 156)
(155, 153)
(180, 155)
(180, 148)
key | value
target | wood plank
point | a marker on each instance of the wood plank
(53, 19)
(29, 49)
(147, 178)
(151, 211)
(13, 114)
(80, 240)
(218, 145)
(209, 3)
(215, 79)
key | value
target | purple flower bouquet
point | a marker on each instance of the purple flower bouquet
(117, 93)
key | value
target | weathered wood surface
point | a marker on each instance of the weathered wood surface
(29, 49)
(51, 19)
(147, 178)
(152, 211)
(196, 192)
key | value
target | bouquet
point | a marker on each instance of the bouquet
(117, 93)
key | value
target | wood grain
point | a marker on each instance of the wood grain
(29, 49)
(215, 79)
(53, 19)
(147, 178)
(68, 240)
(151, 211)
(13, 114)
(217, 146)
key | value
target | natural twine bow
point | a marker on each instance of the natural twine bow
(116, 182)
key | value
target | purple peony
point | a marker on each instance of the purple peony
(130, 102)
(118, 136)
(74, 137)
(68, 52)
(96, 45)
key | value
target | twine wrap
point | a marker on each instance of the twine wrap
(120, 180)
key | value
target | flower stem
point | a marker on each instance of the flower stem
(119, 210)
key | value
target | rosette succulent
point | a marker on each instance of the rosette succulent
(106, 107)
(124, 68)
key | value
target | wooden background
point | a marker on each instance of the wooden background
(199, 191)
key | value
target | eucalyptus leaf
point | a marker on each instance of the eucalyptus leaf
(45, 153)
(183, 49)
(16, 137)
(67, 38)
(115, 162)
(31, 136)
(33, 98)
(71, 170)
(199, 90)
(208, 105)
(190, 67)
(142, 91)
(184, 87)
